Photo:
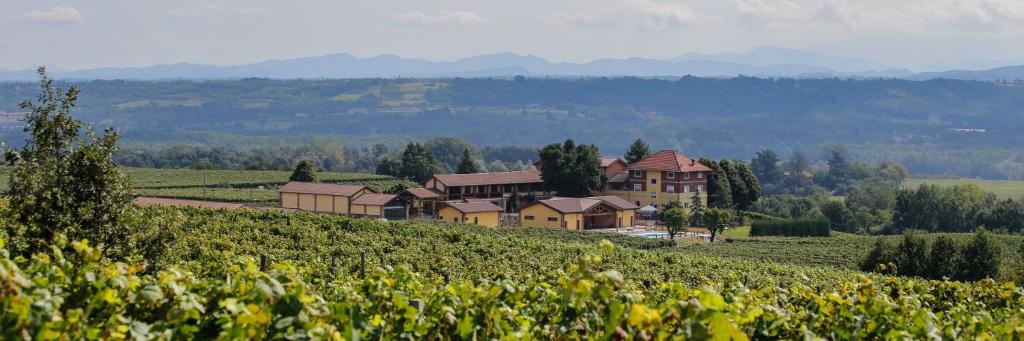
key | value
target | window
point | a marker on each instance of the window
(638, 187)
(638, 174)
(529, 217)
(654, 181)
(476, 220)
(654, 194)
(686, 189)
(670, 175)
(700, 175)
(456, 219)
(670, 188)
(686, 175)
(552, 218)
(700, 188)
(636, 203)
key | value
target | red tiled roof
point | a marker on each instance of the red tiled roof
(609, 160)
(500, 178)
(620, 203)
(425, 193)
(151, 201)
(320, 188)
(669, 161)
(375, 199)
(476, 206)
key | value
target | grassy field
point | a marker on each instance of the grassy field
(1004, 189)
(231, 185)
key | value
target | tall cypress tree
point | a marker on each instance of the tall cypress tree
(466, 165)
(639, 150)
(737, 188)
(696, 210)
(753, 186)
(766, 166)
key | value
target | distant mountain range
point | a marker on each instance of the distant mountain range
(762, 62)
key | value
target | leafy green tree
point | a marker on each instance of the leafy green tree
(912, 256)
(418, 164)
(839, 215)
(675, 220)
(696, 210)
(753, 187)
(981, 257)
(639, 150)
(719, 192)
(945, 259)
(389, 166)
(305, 171)
(570, 169)
(717, 220)
(738, 190)
(838, 171)
(880, 258)
(766, 167)
(467, 165)
(449, 151)
(63, 181)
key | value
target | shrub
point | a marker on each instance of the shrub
(801, 227)
(981, 257)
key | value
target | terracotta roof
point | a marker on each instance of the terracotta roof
(620, 203)
(570, 205)
(621, 177)
(609, 160)
(320, 188)
(375, 199)
(501, 178)
(425, 193)
(473, 207)
(151, 201)
(669, 161)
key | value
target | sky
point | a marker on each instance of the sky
(916, 34)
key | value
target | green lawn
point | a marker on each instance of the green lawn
(737, 232)
(1002, 188)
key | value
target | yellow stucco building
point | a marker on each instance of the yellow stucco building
(579, 213)
(478, 212)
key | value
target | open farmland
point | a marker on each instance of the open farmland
(1004, 189)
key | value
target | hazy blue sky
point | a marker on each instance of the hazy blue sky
(904, 33)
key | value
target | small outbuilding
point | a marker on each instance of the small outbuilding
(377, 205)
(476, 212)
(578, 213)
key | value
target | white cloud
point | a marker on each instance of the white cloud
(55, 15)
(441, 17)
(210, 9)
(974, 14)
(643, 14)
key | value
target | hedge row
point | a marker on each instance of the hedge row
(800, 227)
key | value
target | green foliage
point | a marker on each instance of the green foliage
(418, 164)
(305, 171)
(86, 296)
(800, 227)
(738, 191)
(64, 183)
(697, 210)
(569, 169)
(637, 151)
(717, 220)
(450, 152)
(981, 257)
(467, 165)
(766, 167)
(940, 209)
(719, 192)
(839, 216)
(752, 185)
(675, 220)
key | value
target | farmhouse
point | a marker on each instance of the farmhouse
(477, 212)
(579, 213)
(667, 176)
(379, 205)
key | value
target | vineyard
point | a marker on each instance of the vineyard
(232, 185)
(257, 274)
